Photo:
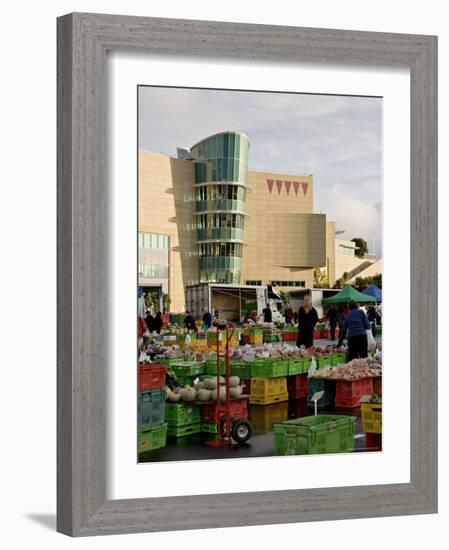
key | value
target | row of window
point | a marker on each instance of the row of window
(220, 234)
(223, 145)
(226, 169)
(289, 283)
(220, 276)
(153, 271)
(153, 240)
(254, 283)
(220, 249)
(212, 192)
(221, 220)
(220, 204)
(219, 262)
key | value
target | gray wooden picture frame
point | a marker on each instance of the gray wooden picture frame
(83, 40)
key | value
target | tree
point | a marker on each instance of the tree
(362, 247)
(342, 281)
(166, 301)
(320, 279)
(152, 302)
(362, 283)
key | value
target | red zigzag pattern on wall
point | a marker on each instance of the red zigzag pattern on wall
(288, 184)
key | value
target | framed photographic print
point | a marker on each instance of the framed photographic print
(234, 205)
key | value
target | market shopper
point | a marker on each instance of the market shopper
(307, 319)
(355, 326)
(288, 315)
(189, 322)
(149, 320)
(267, 314)
(371, 316)
(207, 319)
(158, 322)
(340, 317)
(332, 314)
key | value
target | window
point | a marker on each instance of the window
(254, 283)
(289, 283)
(153, 240)
(153, 271)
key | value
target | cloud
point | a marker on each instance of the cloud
(338, 139)
(353, 213)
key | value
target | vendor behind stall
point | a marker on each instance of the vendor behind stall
(307, 319)
(189, 322)
(355, 326)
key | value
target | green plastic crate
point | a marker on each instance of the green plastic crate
(209, 428)
(211, 367)
(182, 431)
(378, 329)
(241, 369)
(325, 361)
(268, 369)
(314, 435)
(296, 366)
(328, 386)
(153, 438)
(181, 414)
(338, 359)
(188, 380)
(188, 368)
(269, 338)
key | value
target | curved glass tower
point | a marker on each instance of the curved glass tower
(221, 166)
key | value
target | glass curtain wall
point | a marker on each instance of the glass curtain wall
(221, 166)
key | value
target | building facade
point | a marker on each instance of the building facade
(205, 217)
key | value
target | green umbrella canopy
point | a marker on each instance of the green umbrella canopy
(347, 294)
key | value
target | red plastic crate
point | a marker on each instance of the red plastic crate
(297, 386)
(348, 393)
(211, 412)
(373, 442)
(151, 377)
(246, 339)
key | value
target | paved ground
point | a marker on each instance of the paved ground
(261, 444)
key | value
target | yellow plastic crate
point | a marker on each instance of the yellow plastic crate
(256, 339)
(371, 417)
(265, 391)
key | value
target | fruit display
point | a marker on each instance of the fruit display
(354, 370)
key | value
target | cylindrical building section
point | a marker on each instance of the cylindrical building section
(221, 166)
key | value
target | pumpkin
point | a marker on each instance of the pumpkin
(234, 381)
(236, 392)
(204, 394)
(214, 394)
(210, 383)
(188, 394)
(174, 397)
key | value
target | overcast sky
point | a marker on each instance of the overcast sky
(338, 139)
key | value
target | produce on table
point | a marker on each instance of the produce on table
(354, 370)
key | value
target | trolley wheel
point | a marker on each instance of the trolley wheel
(242, 430)
(222, 426)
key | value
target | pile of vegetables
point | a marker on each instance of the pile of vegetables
(354, 370)
(207, 390)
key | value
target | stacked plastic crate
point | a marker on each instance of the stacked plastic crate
(151, 405)
(182, 419)
(269, 381)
